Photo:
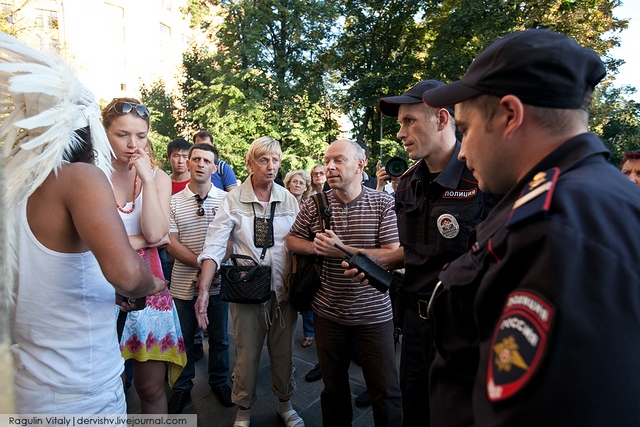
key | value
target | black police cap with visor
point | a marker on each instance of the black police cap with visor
(390, 105)
(540, 67)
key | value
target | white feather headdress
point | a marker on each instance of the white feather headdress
(42, 105)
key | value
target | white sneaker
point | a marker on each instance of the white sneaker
(291, 418)
(242, 423)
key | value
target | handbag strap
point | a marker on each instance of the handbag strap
(269, 231)
(235, 257)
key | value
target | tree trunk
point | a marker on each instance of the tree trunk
(365, 122)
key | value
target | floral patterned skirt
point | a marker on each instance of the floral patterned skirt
(154, 333)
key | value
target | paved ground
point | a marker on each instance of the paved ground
(306, 399)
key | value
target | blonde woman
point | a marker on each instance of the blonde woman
(318, 178)
(237, 221)
(298, 182)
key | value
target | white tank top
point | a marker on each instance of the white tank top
(65, 325)
(132, 221)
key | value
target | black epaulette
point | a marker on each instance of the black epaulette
(535, 199)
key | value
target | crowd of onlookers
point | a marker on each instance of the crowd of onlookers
(516, 292)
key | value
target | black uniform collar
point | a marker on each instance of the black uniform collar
(450, 175)
(565, 157)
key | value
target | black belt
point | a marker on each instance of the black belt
(417, 305)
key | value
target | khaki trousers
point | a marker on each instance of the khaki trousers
(252, 323)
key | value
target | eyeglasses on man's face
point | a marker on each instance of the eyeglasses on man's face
(125, 107)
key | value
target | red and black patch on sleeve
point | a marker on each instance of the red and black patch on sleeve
(519, 343)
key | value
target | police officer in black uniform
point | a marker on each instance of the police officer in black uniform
(539, 324)
(438, 204)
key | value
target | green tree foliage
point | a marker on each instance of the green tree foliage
(159, 146)
(380, 51)
(162, 106)
(288, 68)
(265, 78)
(387, 46)
(616, 120)
(466, 27)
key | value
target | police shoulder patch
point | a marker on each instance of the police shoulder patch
(519, 343)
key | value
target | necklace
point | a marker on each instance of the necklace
(133, 204)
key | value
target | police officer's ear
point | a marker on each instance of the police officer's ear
(509, 115)
(444, 118)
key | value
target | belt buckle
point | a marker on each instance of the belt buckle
(433, 294)
(423, 307)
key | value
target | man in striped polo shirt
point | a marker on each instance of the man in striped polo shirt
(361, 219)
(192, 210)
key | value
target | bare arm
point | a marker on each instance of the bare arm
(299, 246)
(156, 199)
(389, 260)
(139, 242)
(209, 268)
(90, 201)
(181, 253)
(324, 245)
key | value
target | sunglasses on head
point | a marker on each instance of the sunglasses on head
(124, 107)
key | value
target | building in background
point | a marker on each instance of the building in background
(114, 45)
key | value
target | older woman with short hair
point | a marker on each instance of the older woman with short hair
(318, 178)
(274, 320)
(298, 182)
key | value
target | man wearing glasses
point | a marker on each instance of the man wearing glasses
(192, 209)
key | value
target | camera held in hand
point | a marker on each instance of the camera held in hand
(396, 166)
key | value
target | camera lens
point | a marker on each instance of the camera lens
(396, 166)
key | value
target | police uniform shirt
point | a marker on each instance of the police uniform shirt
(436, 218)
(539, 324)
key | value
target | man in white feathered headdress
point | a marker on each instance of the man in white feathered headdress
(66, 247)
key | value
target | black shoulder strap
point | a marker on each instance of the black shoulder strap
(269, 231)
(324, 211)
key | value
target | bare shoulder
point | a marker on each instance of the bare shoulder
(162, 176)
(66, 202)
(84, 181)
(74, 178)
(162, 181)
(83, 172)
